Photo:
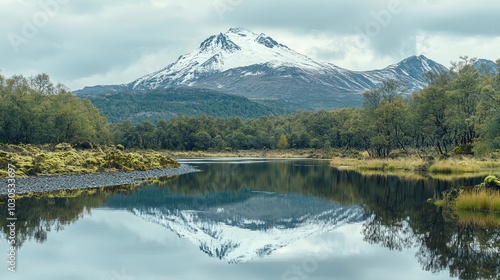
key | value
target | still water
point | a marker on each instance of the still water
(253, 219)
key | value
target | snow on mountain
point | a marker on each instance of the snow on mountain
(411, 71)
(241, 54)
(254, 227)
(234, 49)
(260, 68)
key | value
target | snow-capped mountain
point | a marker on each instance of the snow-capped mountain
(234, 49)
(243, 226)
(258, 67)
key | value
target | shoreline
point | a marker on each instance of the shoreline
(276, 154)
(93, 180)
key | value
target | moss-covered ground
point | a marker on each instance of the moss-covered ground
(40, 160)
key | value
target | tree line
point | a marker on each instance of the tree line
(458, 111)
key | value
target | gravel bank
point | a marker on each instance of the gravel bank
(84, 181)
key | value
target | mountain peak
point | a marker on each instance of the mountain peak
(216, 42)
(486, 66)
(415, 58)
(421, 62)
(240, 31)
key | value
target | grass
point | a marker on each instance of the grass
(32, 160)
(485, 200)
(463, 165)
(413, 163)
(377, 164)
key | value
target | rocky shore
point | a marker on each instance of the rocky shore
(84, 181)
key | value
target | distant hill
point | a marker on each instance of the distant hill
(486, 66)
(154, 105)
(255, 66)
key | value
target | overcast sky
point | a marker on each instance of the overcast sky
(91, 42)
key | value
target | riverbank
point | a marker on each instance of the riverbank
(94, 180)
(451, 165)
(288, 153)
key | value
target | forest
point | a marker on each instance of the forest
(163, 104)
(458, 112)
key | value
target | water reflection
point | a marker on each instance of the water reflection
(239, 226)
(230, 203)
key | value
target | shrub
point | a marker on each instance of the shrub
(492, 182)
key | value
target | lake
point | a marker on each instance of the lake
(253, 219)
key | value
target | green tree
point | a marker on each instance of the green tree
(33, 112)
(203, 140)
(385, 118)
(428, 108)
(282, 143)
(463, 97)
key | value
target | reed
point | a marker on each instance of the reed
(485, 200)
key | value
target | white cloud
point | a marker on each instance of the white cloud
(148, 63)
(96, 42)
(447, 47)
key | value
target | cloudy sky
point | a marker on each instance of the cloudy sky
(90, 42)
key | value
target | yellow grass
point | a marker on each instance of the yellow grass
(482, 201)
(376, 164)
(445, 167)
(455, 165)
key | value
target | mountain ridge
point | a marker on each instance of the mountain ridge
(258, 67)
